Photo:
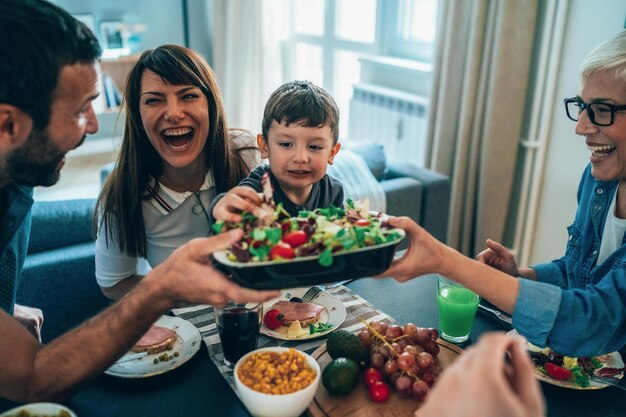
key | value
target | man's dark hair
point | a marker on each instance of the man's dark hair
(303, 103)
(38, 39)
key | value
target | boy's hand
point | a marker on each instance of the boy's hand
(235, 201)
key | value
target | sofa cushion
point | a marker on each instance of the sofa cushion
(62, 283)
(60, 223)
(372, 153)
(357, 180)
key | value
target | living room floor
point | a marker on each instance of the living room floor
(80, 178)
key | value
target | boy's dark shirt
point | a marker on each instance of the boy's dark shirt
(325, 192)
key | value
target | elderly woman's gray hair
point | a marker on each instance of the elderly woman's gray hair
(609, 55)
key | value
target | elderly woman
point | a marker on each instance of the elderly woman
(176, 155)
(575, 304)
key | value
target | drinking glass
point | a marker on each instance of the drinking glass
(238, 326)
(457, 308)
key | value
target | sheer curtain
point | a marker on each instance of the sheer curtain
(481, 72)
(247, 56)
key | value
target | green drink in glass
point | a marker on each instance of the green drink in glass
(457, 308)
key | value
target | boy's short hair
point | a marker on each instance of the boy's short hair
(304, 103)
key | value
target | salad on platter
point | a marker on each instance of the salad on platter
(276, 236)
(574, 370)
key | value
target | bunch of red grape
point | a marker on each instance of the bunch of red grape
(404, 355)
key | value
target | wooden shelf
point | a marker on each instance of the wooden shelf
(119, 69)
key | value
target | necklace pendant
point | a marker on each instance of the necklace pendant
(197, 209)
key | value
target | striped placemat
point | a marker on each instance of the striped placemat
(357, 309)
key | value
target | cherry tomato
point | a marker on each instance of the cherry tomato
(282, 250)
(286, 226)
(372, 375)
(557, 372)
(362, 222)
(379, 392)
(273, 319)
(295, 238)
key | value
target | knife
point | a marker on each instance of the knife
(131, 357)
(498, 314)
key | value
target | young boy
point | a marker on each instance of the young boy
(299, 139)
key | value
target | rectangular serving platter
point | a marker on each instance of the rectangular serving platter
(306, 271)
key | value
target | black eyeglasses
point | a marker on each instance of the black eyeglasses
(600, 114)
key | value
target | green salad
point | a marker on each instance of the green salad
(323, 232)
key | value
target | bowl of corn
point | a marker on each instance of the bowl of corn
(276, 381)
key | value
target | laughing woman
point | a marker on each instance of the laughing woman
(576, 304)
(176, 155)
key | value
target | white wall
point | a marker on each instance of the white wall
(164, 24)
(588, 23)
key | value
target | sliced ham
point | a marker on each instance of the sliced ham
(157, 339)
(305, 312)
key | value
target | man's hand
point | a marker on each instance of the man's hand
(29, 317)
(234, 202)
(493, 378)
(188, 275)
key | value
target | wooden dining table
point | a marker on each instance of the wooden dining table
(198, 389)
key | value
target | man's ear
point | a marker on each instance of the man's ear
(15, 127)
(260, 140)
(333, 152)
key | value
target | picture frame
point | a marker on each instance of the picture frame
(87, 19)
(114, 37)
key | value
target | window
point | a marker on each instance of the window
(356, 20)
(309, 17)
(329, 36)
(412, 24)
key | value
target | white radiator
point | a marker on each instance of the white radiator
(391, 117)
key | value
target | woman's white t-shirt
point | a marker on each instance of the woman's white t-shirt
(170, 221)
(613, 232)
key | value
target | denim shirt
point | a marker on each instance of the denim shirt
(576, 307)
(15, 223)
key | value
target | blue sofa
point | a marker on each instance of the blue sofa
(59, 272)
(412, 191)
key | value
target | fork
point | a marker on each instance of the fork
(498, 314)
(314, 292)
(618, 383)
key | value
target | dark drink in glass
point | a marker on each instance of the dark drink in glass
(238, 328)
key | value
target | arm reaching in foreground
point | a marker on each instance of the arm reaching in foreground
(426, 255)
(34, 372)
(482, 382)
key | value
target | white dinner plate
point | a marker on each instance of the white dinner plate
(38, 409)
(188, 341)
(334, 312)
(614, 361)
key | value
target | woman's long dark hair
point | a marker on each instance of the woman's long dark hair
(118, 209)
